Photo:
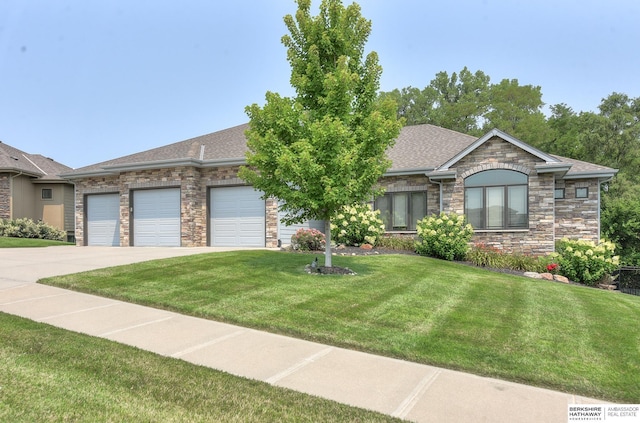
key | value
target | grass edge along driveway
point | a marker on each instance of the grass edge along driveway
(569, 338)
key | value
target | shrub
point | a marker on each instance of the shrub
(445, 236)
(27, 228)
(356, 225)
(585, 261)
(396, 242)
(308, 240)
(488, 256)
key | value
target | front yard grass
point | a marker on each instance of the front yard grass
(570, 338)
(11, 242)
(49, 374)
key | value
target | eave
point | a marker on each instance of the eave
(405, 172)
(110, 170)
(603, 175)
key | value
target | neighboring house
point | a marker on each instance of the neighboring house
(31, 187)
(188, 194)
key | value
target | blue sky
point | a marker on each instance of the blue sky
(85, 81)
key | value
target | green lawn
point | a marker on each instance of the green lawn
(11, 242)
(52, 375)
(575, 339)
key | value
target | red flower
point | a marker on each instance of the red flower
(551, 267)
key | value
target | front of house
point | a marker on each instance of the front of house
(31, 187)
(188, 193)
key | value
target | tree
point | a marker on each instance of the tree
(324, 148)
(456, 102)
(517, 110)
(462, 100)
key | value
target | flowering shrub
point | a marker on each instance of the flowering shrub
(445, 236)
(586, 261)
(27, 228)
(307, 240)
(356, 225)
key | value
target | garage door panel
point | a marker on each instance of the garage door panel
(237, 217)
(156, 217)
(103, 220)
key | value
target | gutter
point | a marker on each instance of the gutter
(586, 175)
(404, 172)
(158, 164)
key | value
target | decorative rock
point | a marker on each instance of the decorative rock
(546, 276)
(366, 246)
(606, 286)
(560, 278)
(534, 275)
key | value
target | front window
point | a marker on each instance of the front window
(47, 193)
(497, 199)
(400, 211)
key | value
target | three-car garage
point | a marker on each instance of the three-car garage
(236, 218)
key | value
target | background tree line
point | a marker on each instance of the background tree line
(469, 103)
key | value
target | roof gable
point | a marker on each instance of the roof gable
(548, 159)
(17, 161)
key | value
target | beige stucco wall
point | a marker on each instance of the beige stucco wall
(23, 198)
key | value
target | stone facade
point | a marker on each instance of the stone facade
(5, 196)
(549, 219)
(194, 184)
(578, 218)
(496, 153)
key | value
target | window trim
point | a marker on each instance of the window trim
(506, 218)
(409, 210)
(48, 190)
(586, 192)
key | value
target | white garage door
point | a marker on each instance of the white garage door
(156, 218)
(103, 219)
(286, 231)
(237, 217)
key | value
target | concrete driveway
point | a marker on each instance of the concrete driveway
(20, 265)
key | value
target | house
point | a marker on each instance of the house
(31, 187)
(188, 193)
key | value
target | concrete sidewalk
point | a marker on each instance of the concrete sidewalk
(399, 388)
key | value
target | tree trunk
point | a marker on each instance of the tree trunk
(327, 248)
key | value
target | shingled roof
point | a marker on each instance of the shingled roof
(418, 149)
(13, 160)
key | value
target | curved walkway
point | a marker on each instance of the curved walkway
(399, 388)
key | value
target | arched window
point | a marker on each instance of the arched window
(497, 199)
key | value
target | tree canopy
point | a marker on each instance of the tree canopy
(325, 147)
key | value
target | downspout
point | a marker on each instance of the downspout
(439, 183)
(554, 212)
(440, 194)
(600, 182)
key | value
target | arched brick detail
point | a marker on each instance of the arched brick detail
(494, 166)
